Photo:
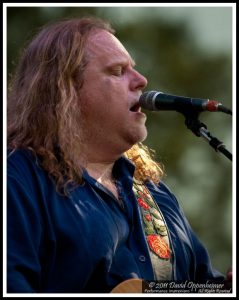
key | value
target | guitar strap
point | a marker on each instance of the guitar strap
(156, 232)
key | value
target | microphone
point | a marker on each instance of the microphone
(156, 100)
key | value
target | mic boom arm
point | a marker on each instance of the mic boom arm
(200, 129)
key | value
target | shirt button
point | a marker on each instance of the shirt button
(142, 258)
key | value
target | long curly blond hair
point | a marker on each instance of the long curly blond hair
(43, 103)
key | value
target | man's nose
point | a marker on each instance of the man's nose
(139, 81)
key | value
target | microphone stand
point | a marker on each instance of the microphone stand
(200, 129)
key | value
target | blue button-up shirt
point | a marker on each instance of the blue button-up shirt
(88, 242)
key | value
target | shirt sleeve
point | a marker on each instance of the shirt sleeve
(24, 230)
(196, 256)
(204, 269)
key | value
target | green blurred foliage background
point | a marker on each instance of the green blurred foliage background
(170, 55)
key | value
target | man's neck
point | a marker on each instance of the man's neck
(101, 171)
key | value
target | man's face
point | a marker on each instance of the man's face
(112, 118)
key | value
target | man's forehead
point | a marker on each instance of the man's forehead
(103, 42)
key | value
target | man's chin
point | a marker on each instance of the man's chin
(140, 135)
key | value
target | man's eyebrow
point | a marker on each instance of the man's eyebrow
(133, 63)
(122, 62)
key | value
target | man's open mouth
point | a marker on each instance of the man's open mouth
(135, 107)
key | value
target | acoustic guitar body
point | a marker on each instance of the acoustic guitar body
(133, 285)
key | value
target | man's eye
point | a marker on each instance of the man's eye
(117, 71)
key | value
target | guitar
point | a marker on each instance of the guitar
(133, 285)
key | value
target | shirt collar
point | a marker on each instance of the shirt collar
(123, 169)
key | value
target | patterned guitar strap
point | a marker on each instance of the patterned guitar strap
(156, 232)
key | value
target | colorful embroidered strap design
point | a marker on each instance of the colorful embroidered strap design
(154, 224)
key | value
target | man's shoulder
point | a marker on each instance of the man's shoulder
(162, 193)
(159, 187)
(21, 161)
(19, 153)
